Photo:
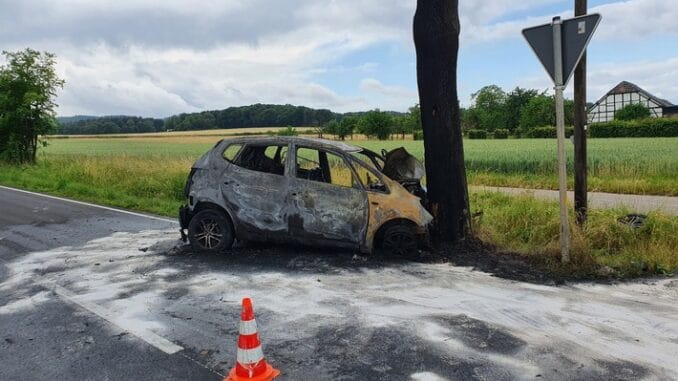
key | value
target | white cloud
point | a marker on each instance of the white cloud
(630, 20)
(374, 86)
(657, 77)
(157, 58)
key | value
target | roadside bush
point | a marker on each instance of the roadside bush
(477, 134)
(640, 128)
(547, 132)
(501, 134)
(632, 112)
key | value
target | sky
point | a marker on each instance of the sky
(158, 58)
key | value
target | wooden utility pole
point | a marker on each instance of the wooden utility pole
(436, 38)
(580, 121)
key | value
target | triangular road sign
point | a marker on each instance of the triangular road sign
(576, 34)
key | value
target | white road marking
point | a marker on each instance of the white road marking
(143, 334)
(91, 205)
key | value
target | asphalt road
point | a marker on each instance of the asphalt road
(44, 335)
(91, 293)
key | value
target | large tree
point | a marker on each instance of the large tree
(436, 38)
(28, 85)
(376, 124)
(490, 107)
(516, 100)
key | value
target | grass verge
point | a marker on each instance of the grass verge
(603, 247)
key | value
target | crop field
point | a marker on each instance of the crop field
(148, 174)
(217, 132)
(634, 165)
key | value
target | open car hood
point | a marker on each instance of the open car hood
(400, 165)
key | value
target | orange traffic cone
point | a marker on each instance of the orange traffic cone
(250, 364)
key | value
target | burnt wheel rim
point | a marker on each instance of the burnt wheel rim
(209, 233)
(400, 243)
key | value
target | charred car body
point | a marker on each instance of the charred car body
(305, 190)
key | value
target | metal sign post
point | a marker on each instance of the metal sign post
(559, 46)
(560, 132)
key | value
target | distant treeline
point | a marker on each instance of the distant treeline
(258, 115)
(111, 125)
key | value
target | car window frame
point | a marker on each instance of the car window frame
(235, 158)
(380, 176)
(339, 153)
(286, 162)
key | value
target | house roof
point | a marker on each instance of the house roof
(625, 87)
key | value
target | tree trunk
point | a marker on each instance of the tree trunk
(436, 37)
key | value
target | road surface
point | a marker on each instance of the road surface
(91, 293)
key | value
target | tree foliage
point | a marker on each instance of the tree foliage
(632, 112)
(516, 111)
(489, 110)
(112, 125)
(257, 115)
(516, 101)
(28, 85)
(540, 111)
(376, 124)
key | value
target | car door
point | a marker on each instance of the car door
(253, 187)
(327, 203)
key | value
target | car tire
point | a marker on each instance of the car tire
(399, 240)
(210, 231)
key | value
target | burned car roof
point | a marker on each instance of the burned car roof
(314, 142)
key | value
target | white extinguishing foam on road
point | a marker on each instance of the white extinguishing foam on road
(165, 298)
(129, 213)
(128, 316)
(427, 376)
(24, 303)
(144, 334)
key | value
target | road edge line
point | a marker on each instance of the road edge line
(165, 219)
(147, 336)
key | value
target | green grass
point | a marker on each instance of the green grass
(634, 165)
(146, 183)
(529, 226)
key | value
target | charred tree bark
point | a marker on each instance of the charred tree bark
(436, 37)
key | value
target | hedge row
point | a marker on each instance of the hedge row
(547, 132)
(640, 128)
(477, 134)
(501, 133)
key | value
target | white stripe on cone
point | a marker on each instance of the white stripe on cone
(250, 356)
(248, 327)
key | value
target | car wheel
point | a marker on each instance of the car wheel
(399, 240)
(210, 231)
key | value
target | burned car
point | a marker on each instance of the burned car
(304, 190)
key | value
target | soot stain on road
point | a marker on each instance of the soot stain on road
(354, 352)
(481, 335)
